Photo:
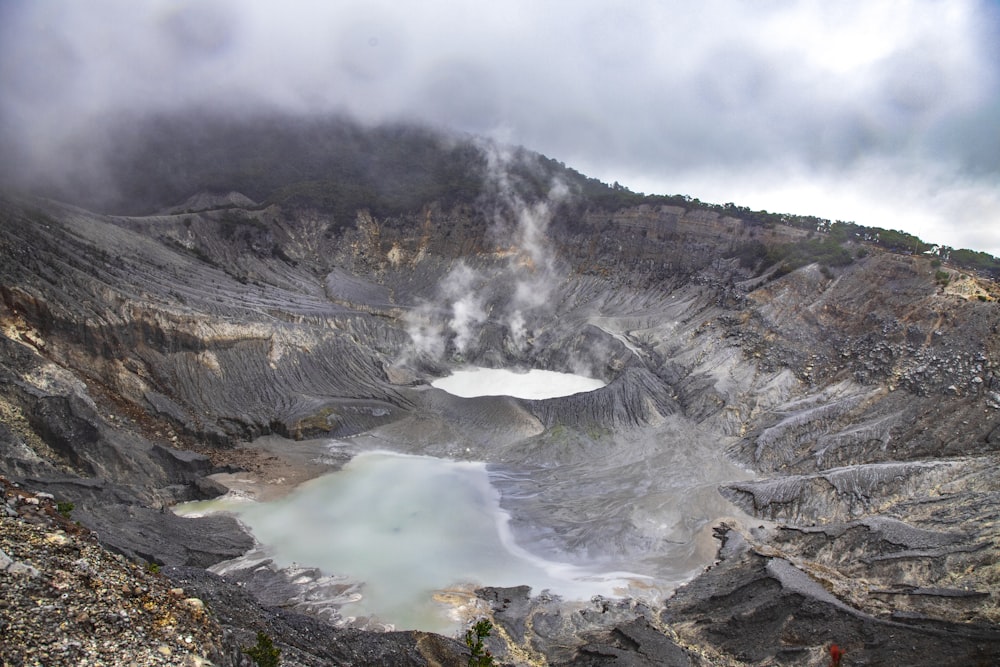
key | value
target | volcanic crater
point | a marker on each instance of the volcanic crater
(779, 458)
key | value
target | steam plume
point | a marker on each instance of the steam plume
(452, 320)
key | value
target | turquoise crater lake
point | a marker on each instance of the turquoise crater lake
(410, 528)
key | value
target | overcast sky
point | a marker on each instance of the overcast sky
(884, 113)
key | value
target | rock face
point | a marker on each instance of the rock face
(140, 354)
(755, 595)
(68, 601)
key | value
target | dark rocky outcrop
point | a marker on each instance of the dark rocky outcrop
(750, 599)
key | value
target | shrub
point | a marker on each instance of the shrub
(826, 252)
(64, 508)
(264, 654)
(474, 636)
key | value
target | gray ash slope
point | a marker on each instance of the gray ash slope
(138, 349)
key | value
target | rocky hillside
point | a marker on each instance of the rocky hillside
(857, 386)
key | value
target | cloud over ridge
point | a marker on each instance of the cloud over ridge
(847, 109)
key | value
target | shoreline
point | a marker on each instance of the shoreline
(274, 466)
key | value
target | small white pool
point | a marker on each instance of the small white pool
(533, 384)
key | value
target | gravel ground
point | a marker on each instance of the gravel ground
(65, 600)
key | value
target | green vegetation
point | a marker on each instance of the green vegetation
(65, 508)
(975, 261)
(828, 251)
(835, 233)
(264, 654)
(153, 568)
(825, 251)
(480, 657)
(899, 241)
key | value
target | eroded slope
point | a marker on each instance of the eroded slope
(862, 400)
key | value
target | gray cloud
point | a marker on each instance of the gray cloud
(856, 97)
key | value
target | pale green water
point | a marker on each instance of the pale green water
(407, 526)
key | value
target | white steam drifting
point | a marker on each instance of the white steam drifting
(532, 262)
(467, 311)
(452, 321)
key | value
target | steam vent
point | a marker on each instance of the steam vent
(351, 389)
